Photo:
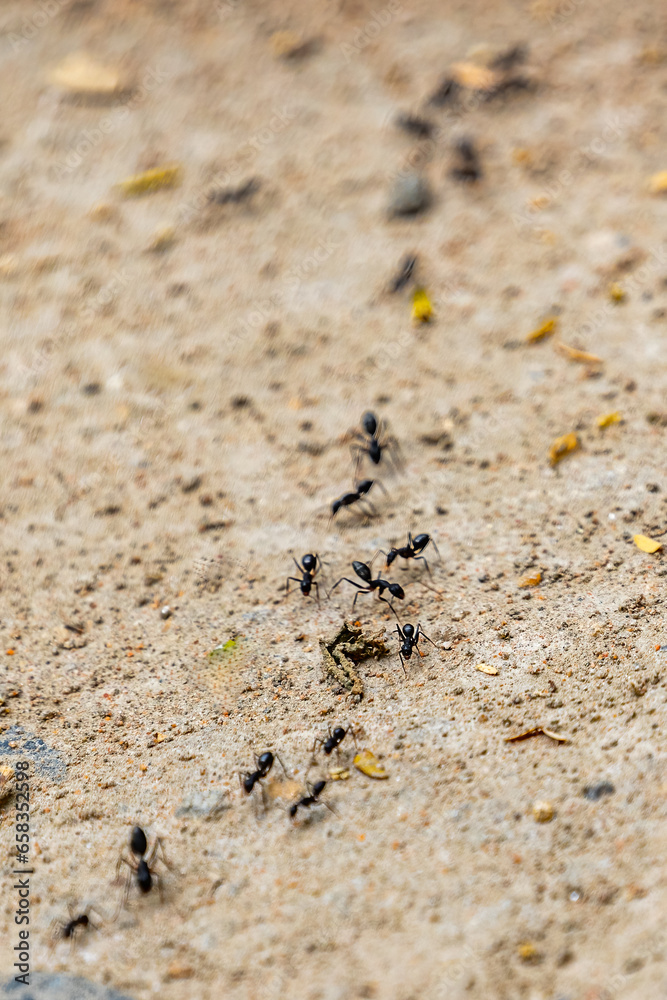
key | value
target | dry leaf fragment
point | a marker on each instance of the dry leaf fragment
(608, 419)
(422, 310)
(339, 774)
(6, 775)
(646, 544)
(658, 183)
(562, 446)
(545, 330)
(537, 731)
(80, 74)
(531, 581)
(485, 668)
(151, 180)
(574, 354)
(473, 77)
(366, 762)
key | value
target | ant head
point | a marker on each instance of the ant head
(339, 733)
(408, 631)
(318, 788)
(248, 783)
(364, 486)
(292, 810)
(138, 841)
(420, 542)
(265, 762)
(396, 590)
(391, 555)
(84, 920)
(362, 570)
(369, 423)
(309, 562)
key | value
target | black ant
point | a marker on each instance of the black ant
(312, 799)
(364, 572)
(412, 549)
(372, 445)
(332, 741)
(141, 862)
(409, 639)
(349, 498)
(264, 763)
(308, 568)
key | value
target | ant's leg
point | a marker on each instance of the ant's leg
(278, 758)
(345, 579)
(436, 549)
(317, 588)
(423, 559)
(379, 552)
(422, 634)
(296, 580)
(163, 856)
(389, 604)
(402, 663)
(300, 568)
(362, 590)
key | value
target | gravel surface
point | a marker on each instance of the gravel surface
(180, 374)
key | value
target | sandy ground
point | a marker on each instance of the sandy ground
(174, 429)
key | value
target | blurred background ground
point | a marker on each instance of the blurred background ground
(177, 379)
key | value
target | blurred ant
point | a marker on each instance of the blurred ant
(364, 573)
(404, 274)
(469, 167)
(312, 799)
(409, 639)
(309, 569)
(412, 549)
(372, 445)
(359, 494)
(264, 763)
(62, 930)
(141, 863)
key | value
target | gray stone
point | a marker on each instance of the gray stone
(58, 986)
(410, 194)
(45, 760)
(204, 805)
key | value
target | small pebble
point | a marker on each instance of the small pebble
(410, 195)
(165, 612)
(59, 986)
(543, 812)
(595, 792)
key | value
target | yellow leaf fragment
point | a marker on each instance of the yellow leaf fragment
(646, 544)
(658, 183)
(608, 419)
(473, 77)
(485, 668)
(574, 354)
(366, 762)
(530, 581)
(151, 180)
(545, 330)
(528, 952)
(562, 446)
(162, 240)
(616, 292)
(422, 310)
